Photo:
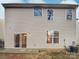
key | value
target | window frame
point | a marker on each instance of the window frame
(50, 13)
(21, 39)
(56, 37)
(69, 14)
(49, 37)
(53, 37)
(37, 11)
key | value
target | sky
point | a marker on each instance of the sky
(33, 1)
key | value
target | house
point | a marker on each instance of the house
(1, 29)
(39, 25)
(1, 34)
(77, 31)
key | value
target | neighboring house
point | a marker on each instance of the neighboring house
(39, 25)
(1, 34)
(1, 28)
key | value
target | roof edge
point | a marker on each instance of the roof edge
(7, 5)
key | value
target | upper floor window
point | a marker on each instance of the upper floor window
(50, 14)
(69, 14)
(52, 36)
(37, 11)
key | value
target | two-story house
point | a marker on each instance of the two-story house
(39, 25)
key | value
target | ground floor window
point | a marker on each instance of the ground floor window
(52, 37)
(20, 40)
(49, 37)
(1, 43)
(56, 37)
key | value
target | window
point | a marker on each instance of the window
(52, 36)
(24, 40)
(69, 14)
(17, 40)
(49, 37)
(37, 11)
(56, 37)
(1, 43)
(20, 40)
(50, 14)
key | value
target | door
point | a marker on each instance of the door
(24, 40)
(21, 40)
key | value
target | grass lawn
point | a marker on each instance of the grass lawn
(42, 54)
